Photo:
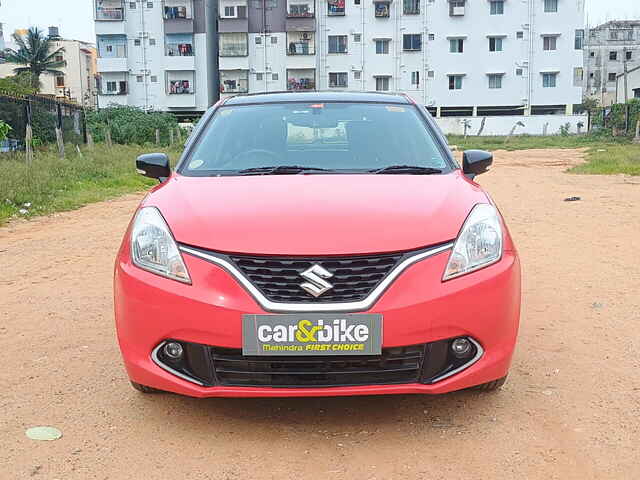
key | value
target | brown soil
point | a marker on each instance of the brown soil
(569, 410)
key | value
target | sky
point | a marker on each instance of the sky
(75, 19)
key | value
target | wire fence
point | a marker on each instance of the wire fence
(45, 116)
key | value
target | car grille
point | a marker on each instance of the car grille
(394, 366)
(354, 277)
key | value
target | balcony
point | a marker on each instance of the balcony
(234, 81)
(382, 8)
(109, 10)
(301, 79)
(300, 9)
(233, 45)
(301, 43)
(112, 64)
(113, 84)
(178, 16)
(335, 7)
(112, 53)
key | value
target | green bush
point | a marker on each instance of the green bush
(616, 119)
(130, 125)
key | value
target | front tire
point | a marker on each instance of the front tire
(491, 386)
(144, 388)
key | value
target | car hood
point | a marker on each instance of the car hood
(316, 214)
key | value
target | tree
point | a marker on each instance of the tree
(35, 54)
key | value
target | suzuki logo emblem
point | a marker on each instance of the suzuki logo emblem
(316, 284)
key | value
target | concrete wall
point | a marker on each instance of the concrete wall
(533, 125)
(633, 86)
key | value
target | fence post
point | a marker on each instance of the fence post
(626, 119)
(107, 136)
(171, 136)
(89, 140)
(637, 137)
(157, 136)
(28, 137)
(59, 137)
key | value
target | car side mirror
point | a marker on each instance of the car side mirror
(475, 162)
(154, 165)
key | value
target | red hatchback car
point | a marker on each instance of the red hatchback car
(317, 244)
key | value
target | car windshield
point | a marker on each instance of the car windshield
(315, 139)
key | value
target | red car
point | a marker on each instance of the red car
(317, 244)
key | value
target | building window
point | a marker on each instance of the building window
(180, 82)
(112, 87)
(495, 81)
(411, 7)
(274, 40)
(636, 93)
(551, 6)
(613, 55)
(455, 82)
(59, 81)
(274, 76)
(136, 42)
(432, 37)
(578, 76)
(233, 44)
(154, 79)
(612, 77)
(456, 45)
(549, 43)
(337, 79)
(139, 78)
(382, 47)
(149, 4)
(381, 8)
(132, 5)
(415, 78)
(549, 80)
(519, 72)
(497, 7)
(592, 54)
(357, 75)
(230, 11)
(456, 8)
(412, 42)
(357, 37)
(628, 55)
(59, 58)
(520, 35)
(337, 44)
(382, 84)
(258, 40)
(356, 2)
(495, 44)
(431, 74)
(152, 42)
(300, 10)
(258, 77)
(335, 7)
(579, 42)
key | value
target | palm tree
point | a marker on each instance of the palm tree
(35, 53)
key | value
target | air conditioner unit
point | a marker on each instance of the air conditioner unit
(458, 11)
(305, 36)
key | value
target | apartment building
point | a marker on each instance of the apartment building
(610, 48)
(458, 57)
(77, 79)
(156, 55)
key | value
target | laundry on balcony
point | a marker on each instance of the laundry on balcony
(301, 84)
(336, 7)
(177, 87)
(180, 50)
(175, 12)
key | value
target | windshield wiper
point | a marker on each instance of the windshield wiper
(411, 169)
(281, 170)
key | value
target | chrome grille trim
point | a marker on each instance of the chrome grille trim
(359, 306)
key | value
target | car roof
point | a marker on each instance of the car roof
(282, 97)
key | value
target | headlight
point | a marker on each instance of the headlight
(153, 247)
(479, 243)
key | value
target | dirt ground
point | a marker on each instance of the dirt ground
(570, 409)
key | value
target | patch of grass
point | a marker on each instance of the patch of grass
(527, 142)
(611, 159)
(50, 184)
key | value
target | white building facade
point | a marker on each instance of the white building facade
(461, 58)
(153, 54)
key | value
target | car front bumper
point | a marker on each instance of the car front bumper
(418, 308)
